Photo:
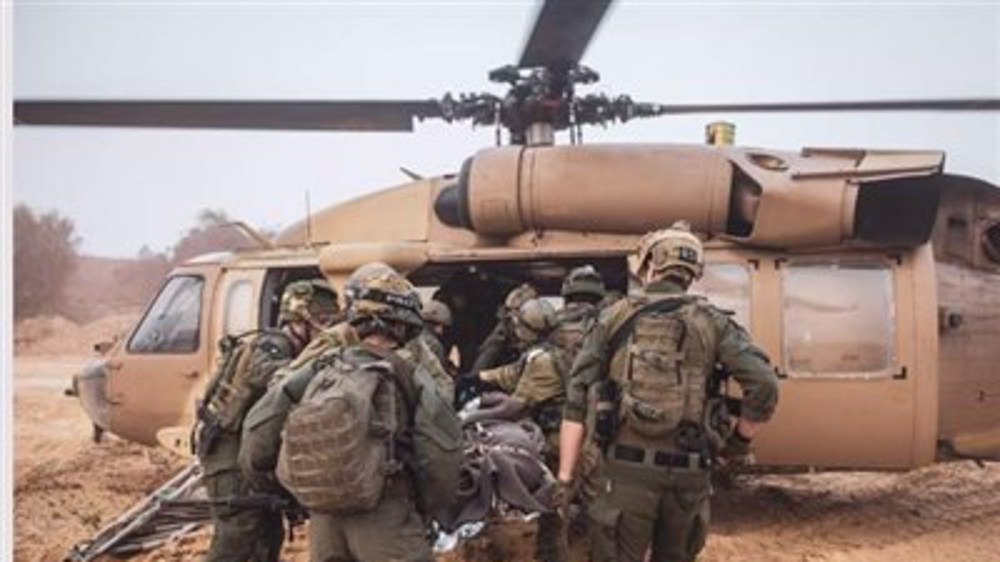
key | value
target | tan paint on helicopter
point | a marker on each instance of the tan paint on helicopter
(877, 421)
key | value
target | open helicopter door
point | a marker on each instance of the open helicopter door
(854, 338)
(155, 371)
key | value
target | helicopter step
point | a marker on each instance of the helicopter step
(173, 510)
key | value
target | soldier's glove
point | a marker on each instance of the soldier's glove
(736, 451)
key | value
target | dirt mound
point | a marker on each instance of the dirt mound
(56, 336)
(60, 503)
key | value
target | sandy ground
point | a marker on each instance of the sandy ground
(66, 488)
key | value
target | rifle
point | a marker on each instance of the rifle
(268, 502)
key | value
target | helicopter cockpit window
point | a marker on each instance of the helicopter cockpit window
(839, 319)
(171, 324)
(727, 285)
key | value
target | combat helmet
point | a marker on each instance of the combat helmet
(518, 296)
(313, 301)
(380, 299)
(672, 247)
(436, 312)
(585, 282)
(534, 320)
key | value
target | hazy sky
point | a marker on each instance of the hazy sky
(126, 187)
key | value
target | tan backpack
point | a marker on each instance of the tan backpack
(338, 443)
(669, 359)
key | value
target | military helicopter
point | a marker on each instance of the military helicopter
(870, 277)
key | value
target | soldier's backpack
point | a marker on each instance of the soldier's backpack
(338, 443)
(435, 434)
(669, 361)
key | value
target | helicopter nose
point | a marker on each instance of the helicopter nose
(90, 387)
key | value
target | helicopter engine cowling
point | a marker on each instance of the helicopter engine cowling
(762, 198)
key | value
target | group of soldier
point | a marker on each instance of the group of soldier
(620, 386)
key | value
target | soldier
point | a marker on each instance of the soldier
(243, 533)
(500, 346)
(648, 362)
(389, 523)
(582, 291)
(537, 386)
(258, 455)
(437, 319)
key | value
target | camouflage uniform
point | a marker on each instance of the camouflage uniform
(243, 533)
(240, 533)
(654, 500)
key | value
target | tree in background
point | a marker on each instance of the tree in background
(214, 232)
(44, 256)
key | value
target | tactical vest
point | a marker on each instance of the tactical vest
(572, 324)
(338, 443)
(228, 395)
(663, 376)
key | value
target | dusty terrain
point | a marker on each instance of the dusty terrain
(66, 488)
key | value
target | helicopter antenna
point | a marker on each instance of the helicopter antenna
(410, 173)
(309, 237)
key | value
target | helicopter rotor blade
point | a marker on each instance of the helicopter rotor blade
(361, 115)
(562, 31)
(970, 104)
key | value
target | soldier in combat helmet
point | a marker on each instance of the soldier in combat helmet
(502, 346)
(648, 362)
(437, 319)
(362, 511)
(241, 532)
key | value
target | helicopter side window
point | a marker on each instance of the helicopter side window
(839, 319)
(991, 242)
(727, 285)
(171, 325)
(239, 308)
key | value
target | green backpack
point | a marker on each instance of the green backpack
(436, 435)
(338, 443)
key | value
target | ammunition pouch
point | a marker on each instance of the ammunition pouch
(207, 431)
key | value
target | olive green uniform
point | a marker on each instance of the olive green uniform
(499, 348)
(340, 537)
(658, 492)
(393, 531)
(241, 534)
(262, 428)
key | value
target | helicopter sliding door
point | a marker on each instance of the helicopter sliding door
(843, 339)
(164, 359)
